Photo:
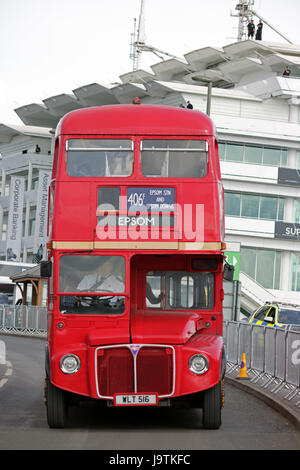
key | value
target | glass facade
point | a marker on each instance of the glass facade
(254, 206)
(263, 266)
(298, 161)
(297, 211)
(4, 231)
(255, 154)
(295, 272)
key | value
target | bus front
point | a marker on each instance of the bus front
(136, 249)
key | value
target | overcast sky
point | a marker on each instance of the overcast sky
(52, 47)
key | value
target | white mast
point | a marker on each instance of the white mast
(138, 38)
(138, 44)
(141, 37)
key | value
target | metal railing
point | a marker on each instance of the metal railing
(272, 356)
(22, 319)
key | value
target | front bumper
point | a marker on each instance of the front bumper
(141, 368)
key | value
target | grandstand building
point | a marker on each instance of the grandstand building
(256, 112)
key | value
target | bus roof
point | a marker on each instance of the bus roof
(135, 119)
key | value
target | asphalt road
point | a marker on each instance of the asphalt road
(247, 423)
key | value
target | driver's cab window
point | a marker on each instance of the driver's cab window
(171, 290)
(153, 291)
(181, 291)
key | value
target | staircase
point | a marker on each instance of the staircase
(253, 295)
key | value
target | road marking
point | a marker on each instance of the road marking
(3, 382)
(8, 373)
(9, 370)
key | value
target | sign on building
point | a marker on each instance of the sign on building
(286, 230)
(15, 215)
(288, 176)
(40, 235)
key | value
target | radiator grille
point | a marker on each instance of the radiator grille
(154, 371)
(149, 370)
(115, 371)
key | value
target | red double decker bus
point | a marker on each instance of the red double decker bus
(135, 261)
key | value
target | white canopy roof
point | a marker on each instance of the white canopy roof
(235, 68)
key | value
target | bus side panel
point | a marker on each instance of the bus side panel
(74, 210)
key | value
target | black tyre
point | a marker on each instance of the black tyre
(212, 406)
(56, 403)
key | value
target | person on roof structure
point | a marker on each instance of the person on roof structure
(258, 35)
(251, 29)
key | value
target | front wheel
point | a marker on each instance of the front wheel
(212, 405)
(56, 403)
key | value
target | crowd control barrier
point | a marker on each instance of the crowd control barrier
(272, 356)
(23, 320)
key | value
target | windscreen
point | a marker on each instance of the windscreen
(174, 158)
(99, 157)
(81, 275)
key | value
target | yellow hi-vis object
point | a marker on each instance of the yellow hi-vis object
(243, 369)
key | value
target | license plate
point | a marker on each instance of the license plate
(135, 399)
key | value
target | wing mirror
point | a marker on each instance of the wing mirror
(46, 268)
(228, 272)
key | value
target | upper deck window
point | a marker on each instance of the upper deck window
(99, 157)
(174, 158)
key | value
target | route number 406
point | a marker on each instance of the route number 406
(136, 199)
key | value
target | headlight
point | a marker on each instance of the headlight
(70, 364)
(198, 364)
